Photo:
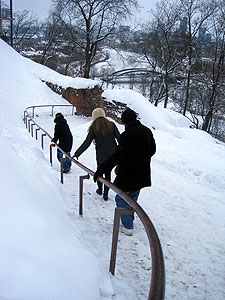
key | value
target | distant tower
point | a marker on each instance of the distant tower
(201, 34)
(161, 30)
(183, 26)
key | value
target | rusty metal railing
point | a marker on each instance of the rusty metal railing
(157, 282)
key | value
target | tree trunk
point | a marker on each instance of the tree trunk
(208, 119)
(166, 91)
(87, 50)
(160, 93)
(87, 68)
(187, 89)
(207, 122)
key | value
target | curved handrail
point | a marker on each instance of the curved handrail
(157, 284)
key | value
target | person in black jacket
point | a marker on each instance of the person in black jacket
(106, 136)
(132, 158)
(63, 135)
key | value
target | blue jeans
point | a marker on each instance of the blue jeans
(66, 163)
(127, 220)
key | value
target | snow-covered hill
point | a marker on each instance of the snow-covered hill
(48, 252)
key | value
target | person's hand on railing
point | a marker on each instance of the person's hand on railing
(96, 175)
(75, 155)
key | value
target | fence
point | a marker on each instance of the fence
(157, 282)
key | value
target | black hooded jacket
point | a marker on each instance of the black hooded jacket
(133, 158)
(63, 134)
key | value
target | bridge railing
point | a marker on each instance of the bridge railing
(157, 281)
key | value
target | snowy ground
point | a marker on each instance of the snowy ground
(183, 205)
(49, 252)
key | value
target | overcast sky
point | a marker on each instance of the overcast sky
(40, 8)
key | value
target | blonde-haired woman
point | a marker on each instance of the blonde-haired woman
(106, 137)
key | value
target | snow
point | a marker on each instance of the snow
(121, 60)
(48, 252)
(152, 116)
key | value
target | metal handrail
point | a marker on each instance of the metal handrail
(157, 283)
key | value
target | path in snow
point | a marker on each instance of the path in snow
(186, 209)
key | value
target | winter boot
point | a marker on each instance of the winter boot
(99, 189)
(106, 192)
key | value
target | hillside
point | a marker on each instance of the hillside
(48, 252)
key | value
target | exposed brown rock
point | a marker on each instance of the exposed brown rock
(86, 100)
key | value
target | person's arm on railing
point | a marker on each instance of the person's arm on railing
(85, 144)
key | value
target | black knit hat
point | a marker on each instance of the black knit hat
(58, 116)
(128, 116)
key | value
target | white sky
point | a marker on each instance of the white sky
(41, 7)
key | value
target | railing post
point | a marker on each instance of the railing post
(26, 120)
(29, 124)
(32, 129)
(81, 179)
(36, 133)
(61, 169)
(42, 140)
(50, 153)
(24, 117)
(116, 223)
(33, 112)
(52, 110)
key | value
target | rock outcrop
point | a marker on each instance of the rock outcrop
(86, 100)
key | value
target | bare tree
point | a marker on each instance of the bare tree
(167, 39)
(50, 40)
(206, 96)
(216, 77)
(161, 47)
(25, 27)
(94, 20)
(197, 13)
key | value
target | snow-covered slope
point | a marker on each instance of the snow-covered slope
(42, 256)
(48, 252)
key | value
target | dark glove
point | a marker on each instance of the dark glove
(96, 175)
(75, 155)
(116, 170)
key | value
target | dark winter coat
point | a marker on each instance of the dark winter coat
(105, 144)
(63, 135)
(133, 157)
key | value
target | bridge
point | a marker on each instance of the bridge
(134, 76)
